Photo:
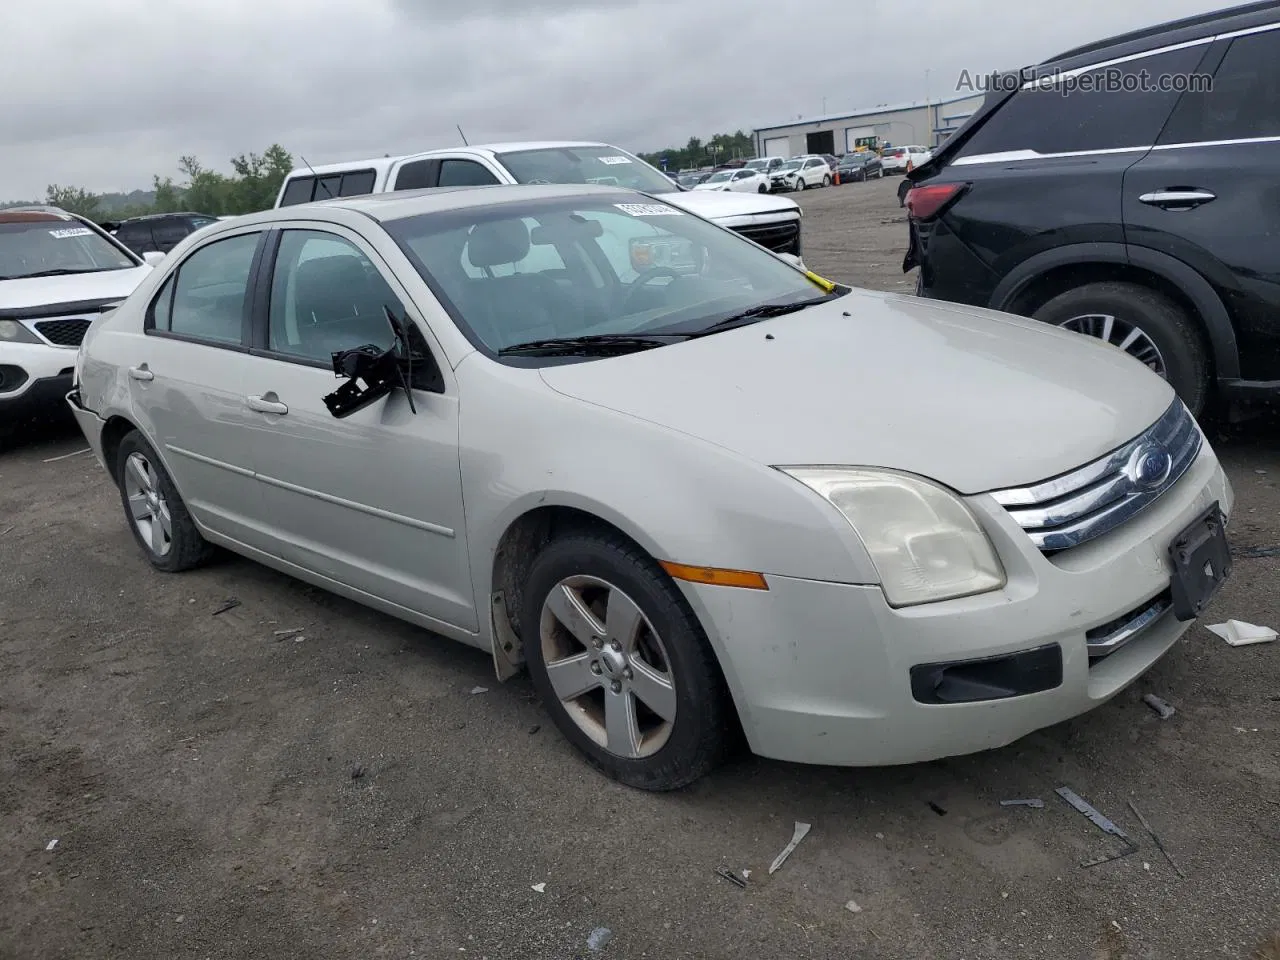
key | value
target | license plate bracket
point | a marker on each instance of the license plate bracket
(1201, 558)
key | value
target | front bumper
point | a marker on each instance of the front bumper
(822, 672)
(35, 398)
(34, 377)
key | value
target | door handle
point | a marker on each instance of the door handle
(1176, 198)
(141, 373)
(266, 404)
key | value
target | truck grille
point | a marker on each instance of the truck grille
(1077, 507)
(63, 333)
(778, 237)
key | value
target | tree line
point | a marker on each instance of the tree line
(256, 178)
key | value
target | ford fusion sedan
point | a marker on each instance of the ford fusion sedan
(688, 486)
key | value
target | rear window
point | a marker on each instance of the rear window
(1125, 105)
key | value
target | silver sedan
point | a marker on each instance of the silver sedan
(695, 490)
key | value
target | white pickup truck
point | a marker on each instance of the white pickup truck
(773, 222)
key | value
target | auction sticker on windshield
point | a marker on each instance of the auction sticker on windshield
(71, 232)
(612, 160)
(648, 210)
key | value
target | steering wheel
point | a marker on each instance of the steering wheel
(641, 280)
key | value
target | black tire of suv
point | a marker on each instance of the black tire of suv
(1174, 333)
(702, 732)
(188, 549)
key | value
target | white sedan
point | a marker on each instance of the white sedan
(690, 487)
(737, 181)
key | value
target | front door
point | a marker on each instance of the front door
(374, 500)
(1207, 193)
(185, 384)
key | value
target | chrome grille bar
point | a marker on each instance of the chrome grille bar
(1077, 507)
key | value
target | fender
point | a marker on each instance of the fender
(1222, 336)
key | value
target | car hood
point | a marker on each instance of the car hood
(39, 291)
(717, 205)
(971, 398)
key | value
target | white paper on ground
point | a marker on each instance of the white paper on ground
(1237, 633)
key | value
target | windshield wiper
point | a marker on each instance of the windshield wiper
(56, 272)
(763, 312)
(599, 343)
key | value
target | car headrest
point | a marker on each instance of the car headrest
(496, 242)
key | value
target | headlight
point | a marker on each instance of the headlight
(14, 332)
(924, 541)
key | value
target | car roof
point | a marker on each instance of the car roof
(395, 205)
(36, 214)
(157, 216)
(382, 164)
(1180, 31)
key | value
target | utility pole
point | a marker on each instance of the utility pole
(928, 109)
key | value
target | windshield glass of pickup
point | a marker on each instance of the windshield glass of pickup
(51, 246)
(596, 164)
(513, 273)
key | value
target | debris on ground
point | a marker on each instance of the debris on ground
(1258, 553)
(1159, 705)
(1099, 821)
(292, 631)
(299, 638)
(737, 881)
(539, 888)
(230, 604)
(801, 831)
(534, 729)
(853, 907)
(1237, 633)
(358, 771)
(937, 809)
(599, 939)
(1155, 839)
(6, 530)
(475, 690)
(1029, 802)
(51, 844)
(746, 874)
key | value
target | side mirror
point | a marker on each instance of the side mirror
(372, 373)
(153, 257)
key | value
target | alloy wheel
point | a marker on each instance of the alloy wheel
(1122, 334)
(148, 508)
(608, 666)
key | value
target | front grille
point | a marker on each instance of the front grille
(63, 333)
(1076, 507)
(1110, 637)
(778, 237)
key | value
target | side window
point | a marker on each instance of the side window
(169, 233)
(1245, 99)
(1125, 105)
(326, 296)
(162, 305)
(358, 183)
(297, 190)
(209, 290)
(414, 176)
(464, 173)
(136, 236)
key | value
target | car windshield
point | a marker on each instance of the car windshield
(601, 266)
(721, 176)
(594, 164)
(52, 247)
(791, 165)
(756, 164)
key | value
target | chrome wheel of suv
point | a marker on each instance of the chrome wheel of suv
(1120, 334)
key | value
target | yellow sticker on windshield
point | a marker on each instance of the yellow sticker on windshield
(824, 283)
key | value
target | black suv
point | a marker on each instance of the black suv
(159, 231)
(1127, 190)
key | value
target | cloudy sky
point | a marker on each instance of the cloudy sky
(104, 93)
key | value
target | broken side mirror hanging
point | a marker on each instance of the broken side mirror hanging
(372, 373)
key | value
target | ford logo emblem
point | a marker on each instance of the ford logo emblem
(1149, 466)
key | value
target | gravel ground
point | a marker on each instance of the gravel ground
(215, 791)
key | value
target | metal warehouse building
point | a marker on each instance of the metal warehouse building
(913, 123)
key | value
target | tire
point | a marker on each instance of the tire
(144, 483)
(671, 754)
(1174, 335)
(801, 184)
(826, 180)
(763, 189)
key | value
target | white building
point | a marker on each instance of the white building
(911, 123)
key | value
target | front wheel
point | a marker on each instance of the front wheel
(826, 180)
(157, 517)
(800, 183)
(1143, 323)
(763, 189)
(622, 664)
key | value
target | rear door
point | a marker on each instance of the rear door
(1207, 194)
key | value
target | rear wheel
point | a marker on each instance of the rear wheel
(1143, 323)
(622, 664)
(826, 180)
(158, 518)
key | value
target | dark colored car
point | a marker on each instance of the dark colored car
(859, 166)
(160, 232)
(1126, 190)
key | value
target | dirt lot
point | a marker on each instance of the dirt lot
(216, 792)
